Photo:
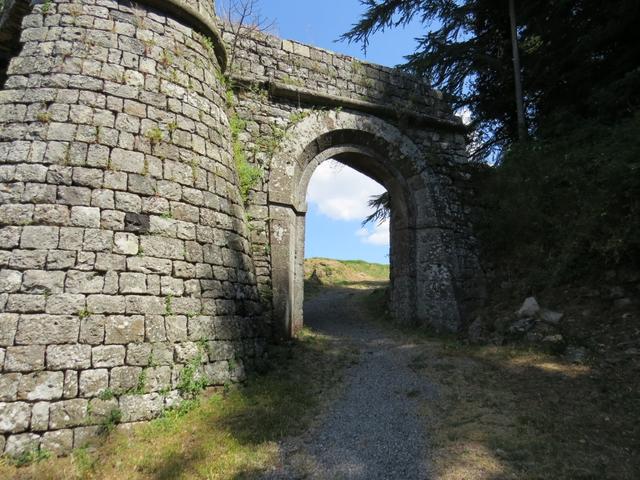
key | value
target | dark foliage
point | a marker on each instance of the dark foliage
(566, 208)
(579, 57)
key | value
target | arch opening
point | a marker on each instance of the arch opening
(364, 162)
(422, 255)
(372, 156)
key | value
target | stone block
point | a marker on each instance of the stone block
(108, 356)
(162, 353)
(70, 387)
(79, 196)
(25, 303)
(40, 417)
(140, 304)
(106, 304)
(24, 359)
(8, 328)
(172, 286)
(65, 303)
(39, 237)
(98, 240)
(84, 282)
(154, 328)
(47, 329)
(41, 386)
(43, 281)
(187, 351)
(201, 327)
(9, 386)
(10, 237)
(176, 327)
(58, 442)
(127, 161)
(52, 214)
(101, 409)
(14, 417)
(28, 259)
(124, 329)
(133, 283)
(71, 238)
(126, 243)
(136, 408)
(85, 217)
(68, 413)
(10, 280)
(22, 443)
(217, 373)
(93, 382)
(149, 265)
(158, 378)
(139, 354)
(63, 357)
(162, 247)
(124, 379)
(92, 329)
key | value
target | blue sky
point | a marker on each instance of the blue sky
(337, 195)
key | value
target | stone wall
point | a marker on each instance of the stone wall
(123, 247)
(280, 85)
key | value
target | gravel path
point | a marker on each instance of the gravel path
(373, 429)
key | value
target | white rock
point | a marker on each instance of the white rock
(551, 317)
(529, 308)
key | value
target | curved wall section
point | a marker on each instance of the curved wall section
(124, 252)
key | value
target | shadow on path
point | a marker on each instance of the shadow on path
(373, 429)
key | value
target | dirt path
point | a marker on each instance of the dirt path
(373, 428)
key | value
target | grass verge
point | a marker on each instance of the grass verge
(227, 434)
(514, 413)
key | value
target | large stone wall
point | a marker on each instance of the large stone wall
(124, 251)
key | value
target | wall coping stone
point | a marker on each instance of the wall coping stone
(293, 92)
(196, 19)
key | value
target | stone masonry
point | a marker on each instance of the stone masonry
(128, 247)
(299, 105)
(124, 251)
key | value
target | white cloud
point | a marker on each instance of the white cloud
(376, 235)
(342, 193)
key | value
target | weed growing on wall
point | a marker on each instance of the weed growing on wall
(248, 175)
(191, 381)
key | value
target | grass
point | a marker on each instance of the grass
(321, 273)
(504, 412)
(229, 433)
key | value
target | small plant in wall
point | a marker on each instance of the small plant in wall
(113, 418)
(191, 381)
(44, 117)
(248, 175)
(154, 135)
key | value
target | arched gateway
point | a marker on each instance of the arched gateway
(152, 211)
(377, 149)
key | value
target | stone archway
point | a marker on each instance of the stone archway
(421, 283)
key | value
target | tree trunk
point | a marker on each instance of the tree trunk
(522, 127)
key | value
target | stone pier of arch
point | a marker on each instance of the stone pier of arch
(127, 251)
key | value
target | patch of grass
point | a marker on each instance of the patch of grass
(345, 272)
(30, 457)
(511, 413)
(224, 435)
(111, 421)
